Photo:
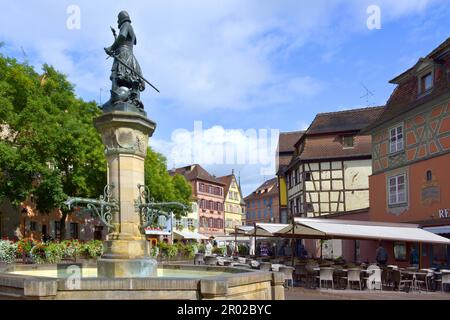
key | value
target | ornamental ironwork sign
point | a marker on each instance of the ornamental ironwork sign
(154, 213)
(103, 208)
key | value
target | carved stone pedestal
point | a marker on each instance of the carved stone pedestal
(125, 136)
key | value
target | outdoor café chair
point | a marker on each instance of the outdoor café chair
(353, 275)
(401, 279)
(311, 275)
(386, 277)
(445, 279)
(287, 271)
(211, 260)
(326, 275)
(300, 273)
(199, 258)
(423, 279)
(373, 279)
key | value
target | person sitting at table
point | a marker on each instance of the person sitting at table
(436, 265)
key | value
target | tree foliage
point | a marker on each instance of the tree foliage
(164, 187)
(49, 147)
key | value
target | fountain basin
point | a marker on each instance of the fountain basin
(172, 282)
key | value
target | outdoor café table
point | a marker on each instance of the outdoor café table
(393, 267)
(227, 262)
(414, 278)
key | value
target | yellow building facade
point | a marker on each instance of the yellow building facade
(234, 205)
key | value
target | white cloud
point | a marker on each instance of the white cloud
(202, 55)
(252, 152)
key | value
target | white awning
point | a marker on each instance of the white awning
(438, 230)
(232, 238)
(262, 229)
(188, 235)
(157, 232)
(351, 229)
(243, 230)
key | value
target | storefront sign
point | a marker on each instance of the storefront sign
(444, 213)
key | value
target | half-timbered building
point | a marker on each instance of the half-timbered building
(411, 154)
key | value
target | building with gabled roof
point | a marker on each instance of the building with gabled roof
(262, 205)
(285, 151)
(331, 165)
(234, 203)
(329, 171)
(208, 192)
(411, 155)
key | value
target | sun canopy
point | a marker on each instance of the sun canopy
(438, 230)
(155, 232)
(351, 229)
(188, 235)
(262, 229)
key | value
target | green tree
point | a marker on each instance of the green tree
(49, 147)
(164, 187)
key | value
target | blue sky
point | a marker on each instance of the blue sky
(234, 65)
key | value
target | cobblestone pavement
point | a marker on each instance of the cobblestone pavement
(299, 293)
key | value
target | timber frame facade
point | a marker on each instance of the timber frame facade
(329, 172)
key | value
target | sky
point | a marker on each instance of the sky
(232, 74)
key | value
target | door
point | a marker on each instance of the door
(98, 232)
(44, 232)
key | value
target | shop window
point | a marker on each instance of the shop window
(400, 251)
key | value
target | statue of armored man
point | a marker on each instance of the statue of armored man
(126, 74)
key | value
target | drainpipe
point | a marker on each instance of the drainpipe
(236, 251)
(420, 255)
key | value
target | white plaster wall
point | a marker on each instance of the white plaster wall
(356, 174)
(357, 200)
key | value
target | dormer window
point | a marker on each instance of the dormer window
(348, 141)
(426, 82)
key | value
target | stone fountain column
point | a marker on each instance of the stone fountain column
(125, 136)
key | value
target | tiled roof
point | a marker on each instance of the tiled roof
(286, 147)
(431, 55)
(404, 98)
(226, 180)
(342, 121)
(269, 184)
(196, 172)
(287, 140)
(330, 146)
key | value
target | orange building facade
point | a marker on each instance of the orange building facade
(411, 156)
(25, 221)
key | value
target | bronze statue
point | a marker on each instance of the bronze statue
(126, 74)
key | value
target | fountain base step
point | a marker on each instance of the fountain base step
(127, 268)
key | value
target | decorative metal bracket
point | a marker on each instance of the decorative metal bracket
(103, 208)
(150, 211)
